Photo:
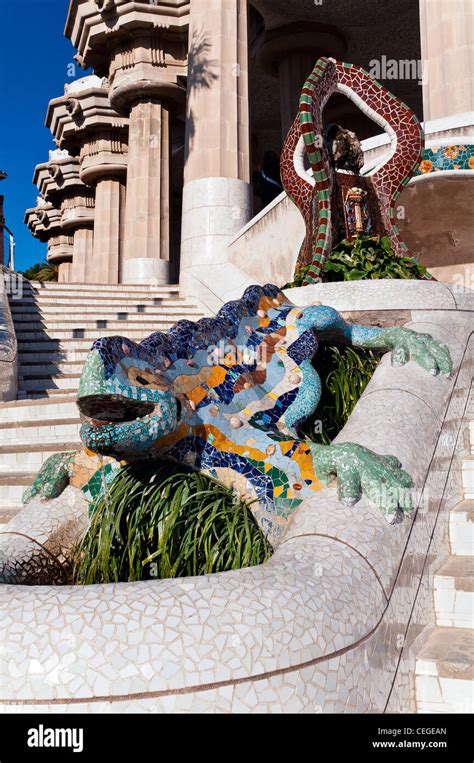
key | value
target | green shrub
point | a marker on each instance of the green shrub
(42, 271)
(345, 373)
(161, 520)
(363, 258)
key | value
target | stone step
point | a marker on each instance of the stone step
(42, 396)
(467, 468)
(454, 592)
(7, 513)
(61, 380)
(40, 430)
(12, 486)
(444, 672)
(58, 384)
(32, 305)
(27, 311)
(27, 456)
(64, 347)
(116, 329)
(141, 295)
(45, 357)
(18, 411)
(45, 393)
(52, 325)
(36, 370)
(54, 287)
(461, 529)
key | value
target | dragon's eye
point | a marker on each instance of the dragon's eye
(141, 380)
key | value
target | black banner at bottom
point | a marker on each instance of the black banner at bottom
(150, 737)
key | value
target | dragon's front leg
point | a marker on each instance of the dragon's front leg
(52, 478)
(359, 470)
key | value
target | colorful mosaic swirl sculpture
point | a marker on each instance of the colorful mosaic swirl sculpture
(226, 395)
(313, 199)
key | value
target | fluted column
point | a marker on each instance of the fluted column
(147, 208)
(293, 69)
(105, 264)
(217, 199)
(44, 222)
(446, 51)
(81, 252)
(84, 123)
(141, 48)
(64, 272)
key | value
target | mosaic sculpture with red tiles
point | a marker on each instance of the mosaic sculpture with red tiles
(332, 199)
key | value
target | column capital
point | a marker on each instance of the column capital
(44, 223)
(140, 46)
(300, 38)
(85, 124)
(59, 182)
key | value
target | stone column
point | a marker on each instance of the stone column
(447, 55)
(217, 198)
(60, 186)
(106, 248)
(44, 222)
(81, 254)
(141, 48)
(64, 274)
(84, 123)
(147, 209)
(293, 71)
(290, 52)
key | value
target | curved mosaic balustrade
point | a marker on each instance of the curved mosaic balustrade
(446, 158)
(327, 625)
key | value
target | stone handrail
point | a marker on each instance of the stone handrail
(9, 281)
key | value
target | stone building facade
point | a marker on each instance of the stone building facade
(158, 150)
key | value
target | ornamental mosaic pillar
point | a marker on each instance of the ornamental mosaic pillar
(59, 183)
(84, 123)
(446, 52)
(217, 197)
(142, 52)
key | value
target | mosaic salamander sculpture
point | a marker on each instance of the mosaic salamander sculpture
(226, 395)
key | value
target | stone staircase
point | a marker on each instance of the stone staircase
(55, 326)
(444, 672)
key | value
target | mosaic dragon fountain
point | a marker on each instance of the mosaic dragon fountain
(226, 395)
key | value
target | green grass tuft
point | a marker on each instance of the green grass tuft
(344, 372)
(160, 520)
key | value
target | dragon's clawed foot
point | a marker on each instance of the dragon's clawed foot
(430, 354)
(52, 478)
(360, 471)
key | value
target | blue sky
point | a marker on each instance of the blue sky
(35, 62)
